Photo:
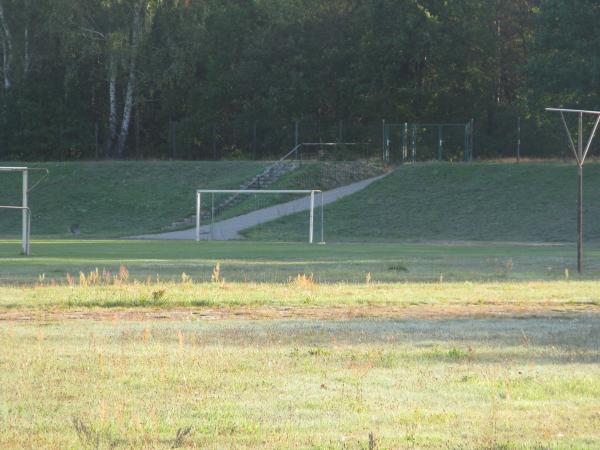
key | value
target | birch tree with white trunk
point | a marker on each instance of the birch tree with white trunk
(136, 33)
(7, 48)
(121, 28)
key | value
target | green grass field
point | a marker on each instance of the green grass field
(451, 383)
(277, 262)
(133, 359)
(432, 340)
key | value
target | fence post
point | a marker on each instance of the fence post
(467, 131)
(518, 139)
(173, 138)
(214, 130)
(254, 141)
(296, 133)
(137, 132)
(405, 143)
(440, 142)
(471, 140)
(384, 144)
(414, 143)
(97, 137)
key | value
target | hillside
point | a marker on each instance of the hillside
(482, 202)
(116, 198)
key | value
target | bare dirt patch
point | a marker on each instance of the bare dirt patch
(409, 312)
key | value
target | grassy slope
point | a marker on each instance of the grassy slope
(117, 198)
(111, 199)
(490, 202)
(318, 175)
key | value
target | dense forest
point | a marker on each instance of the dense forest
(85, 79)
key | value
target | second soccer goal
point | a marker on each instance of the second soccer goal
(223, 214)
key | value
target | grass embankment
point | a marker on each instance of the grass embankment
(276, 262)
(525, 383)
(111, 199)
(114, 199)
(485, 202)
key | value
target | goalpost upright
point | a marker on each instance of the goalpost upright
(312, 201)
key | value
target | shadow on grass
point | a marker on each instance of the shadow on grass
(574, 340)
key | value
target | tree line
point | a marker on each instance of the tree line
(87, 79)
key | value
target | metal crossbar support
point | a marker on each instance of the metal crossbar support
(311, 192)
(580, 154)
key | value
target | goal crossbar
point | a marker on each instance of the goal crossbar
(311, 192)
(254, 191)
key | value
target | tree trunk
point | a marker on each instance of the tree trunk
(112, 117)
(7, 47)
(131, 83)
(26, 46)
(27, 55)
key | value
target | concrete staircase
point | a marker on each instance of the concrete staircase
(260, 181)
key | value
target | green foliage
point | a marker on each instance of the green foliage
(234, 76)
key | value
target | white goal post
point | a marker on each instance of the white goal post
(235, 192)
(26, 225)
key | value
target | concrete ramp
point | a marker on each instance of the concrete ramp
(230, 229)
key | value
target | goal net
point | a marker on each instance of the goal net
(258, 214)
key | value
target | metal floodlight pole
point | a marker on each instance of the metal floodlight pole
(580, 154)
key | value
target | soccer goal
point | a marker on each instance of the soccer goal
(24, 207)
(226, 214)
